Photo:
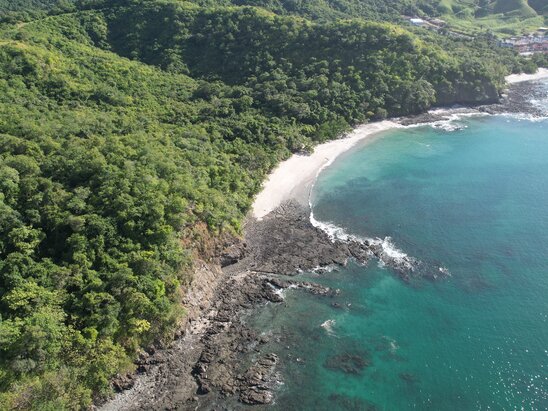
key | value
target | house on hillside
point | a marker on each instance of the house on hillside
(527, 45)
(417, 22)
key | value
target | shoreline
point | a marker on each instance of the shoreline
(217, 360)
(541, 74)
(294, 178)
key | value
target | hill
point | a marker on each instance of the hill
(505, 17)
(518, 7)
(470, 16)
(28, 9)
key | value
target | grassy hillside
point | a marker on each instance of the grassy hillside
(470, 16)
(326, 9)
(505, 17)
(134, 131)
(28, 9)
(518, 7)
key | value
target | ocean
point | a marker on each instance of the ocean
(467, 201)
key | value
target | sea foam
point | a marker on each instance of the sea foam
(328, 326)
(449, 120)
(383, 248)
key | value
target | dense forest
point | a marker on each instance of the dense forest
(312, 9)
(504, 17)
(128, 126)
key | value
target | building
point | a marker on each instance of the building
(527, 45)
(417, 22)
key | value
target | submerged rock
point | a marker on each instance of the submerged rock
(348, 363)
(352, 403)
(408, 377)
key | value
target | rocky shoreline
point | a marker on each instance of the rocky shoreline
(518, 98)
(217, 362)
(206, 364)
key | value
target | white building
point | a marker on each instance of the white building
(417, 22)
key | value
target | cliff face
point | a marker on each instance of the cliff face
(479, 92)
(164, 372)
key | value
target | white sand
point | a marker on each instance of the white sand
(518, 78)
(293, 178)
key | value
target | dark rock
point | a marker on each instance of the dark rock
(123, 382)
(519, 100)
(232, 255)
(255, 396)
(203, 389)
(352, 403)
(348, 363)
(285, 242)
(408, 377)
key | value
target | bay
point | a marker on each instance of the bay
(469, 200)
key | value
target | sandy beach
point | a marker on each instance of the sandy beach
(518, 78)
(293, 178)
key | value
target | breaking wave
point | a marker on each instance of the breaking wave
(526, 116)
(451, 122)
(328, 326)
(382, 248)
(385, 251)
(449, 119)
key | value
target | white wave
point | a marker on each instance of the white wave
(333, 231)
(448, 125)
(384, 249)
(453, 121)
(328, 326)
(325, 269)
(392, 344)
(525, 117)
(450, 121)
(278, 291)
(390, 255)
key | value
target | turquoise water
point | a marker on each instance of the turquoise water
(473, 201)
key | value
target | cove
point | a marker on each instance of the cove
(471, 200)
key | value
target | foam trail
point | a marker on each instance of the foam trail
(525, 117)
(449, 121)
